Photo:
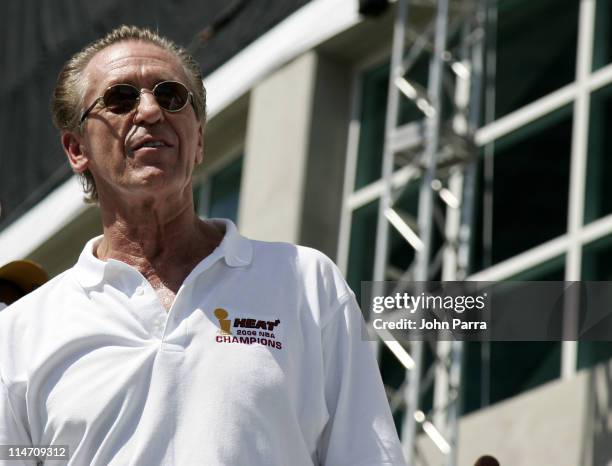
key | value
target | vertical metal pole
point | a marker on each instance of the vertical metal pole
(432, 136)
(468, 198)
(425, 214)
(391, 120)
(445, 388)
(488, 150)
(569, 349)
(488, 166)
(467, 218)
(454, 378)
(448, 371)
(350, 171)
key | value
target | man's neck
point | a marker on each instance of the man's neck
(162, 243)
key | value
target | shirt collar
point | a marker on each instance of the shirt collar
(234, 248)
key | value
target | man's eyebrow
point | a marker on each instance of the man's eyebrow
(118, 80)
(152, 81)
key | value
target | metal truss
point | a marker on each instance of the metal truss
(438, 154)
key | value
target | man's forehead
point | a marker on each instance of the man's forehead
(133, 60)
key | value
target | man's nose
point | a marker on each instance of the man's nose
(147, 109)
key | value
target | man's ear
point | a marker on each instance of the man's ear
(71, 143)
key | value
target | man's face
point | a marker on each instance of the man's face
(111, 145)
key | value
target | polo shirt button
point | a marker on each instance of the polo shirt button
(140, 290)
(158, 325)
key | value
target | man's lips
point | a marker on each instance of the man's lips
(149, 143)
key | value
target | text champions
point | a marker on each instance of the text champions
(245, 340)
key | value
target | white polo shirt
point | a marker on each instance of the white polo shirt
(259, 361)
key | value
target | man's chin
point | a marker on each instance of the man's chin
(151, 175)
(151, 181)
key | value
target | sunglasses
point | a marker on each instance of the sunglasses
(120, 99)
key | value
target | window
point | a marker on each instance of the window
(598, 189)
(529, 187)
(596, 265)
(495, 371)
(217, 196)
(374, 91)
(361, 255)
(533, 56)
(602, 53)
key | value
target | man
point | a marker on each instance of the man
(175, 340)
(19, 278)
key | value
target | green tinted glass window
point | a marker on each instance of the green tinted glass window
(361, 249)
(602, 52)
(535, 50)
(598, 200)
(530, 187)
(218, 197)
(496, 371)
(596, 265)
(374, 92)
(225, 192)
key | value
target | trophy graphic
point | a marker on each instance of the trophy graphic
(224, 322)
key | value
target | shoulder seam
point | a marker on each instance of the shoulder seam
(342, 300)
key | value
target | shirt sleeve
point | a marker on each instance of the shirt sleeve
(13, 422)
(360, 431)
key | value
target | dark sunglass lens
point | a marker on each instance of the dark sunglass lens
(121, 98)
(171, 96)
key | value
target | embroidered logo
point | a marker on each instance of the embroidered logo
(246, 330)
(225, 324)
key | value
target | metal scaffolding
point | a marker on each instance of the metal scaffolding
(439, 154)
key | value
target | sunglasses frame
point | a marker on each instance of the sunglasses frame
(100, 99)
